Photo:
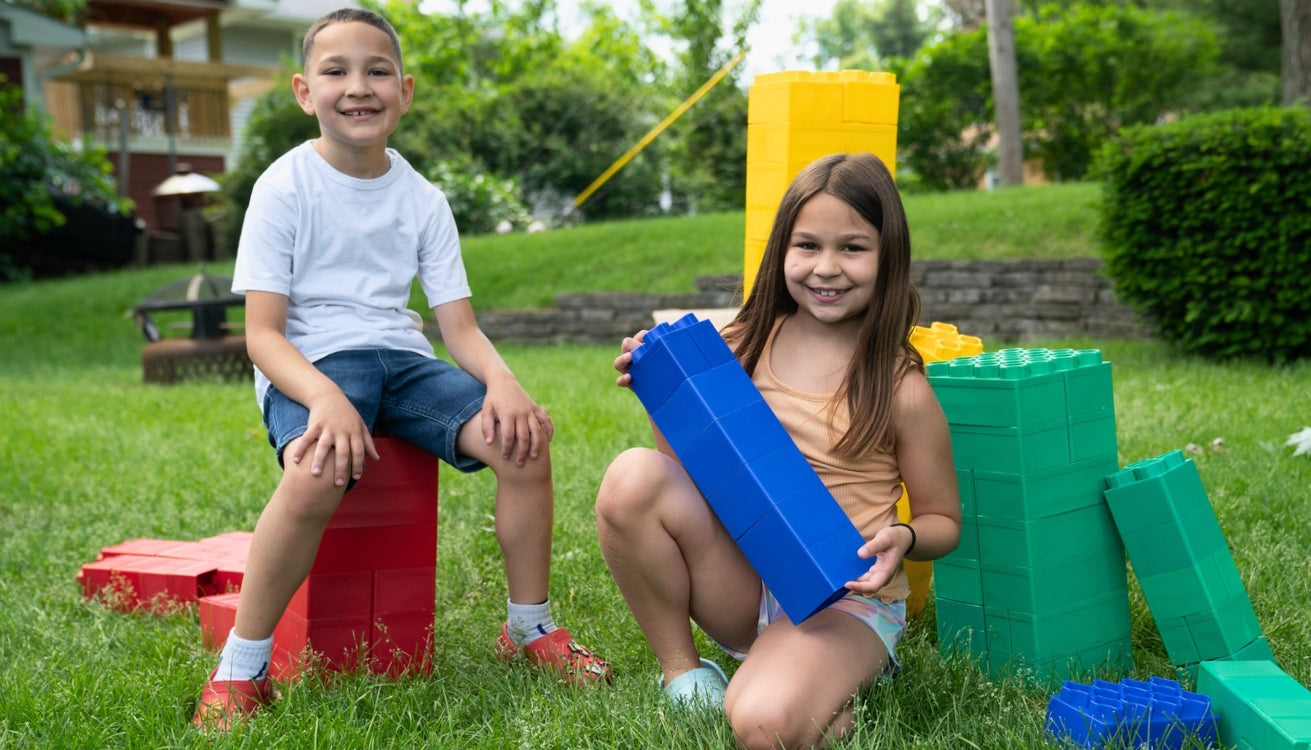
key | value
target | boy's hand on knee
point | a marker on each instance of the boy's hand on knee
(336, 428)
(524, 427)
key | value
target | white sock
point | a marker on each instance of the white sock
(244, 660)
(528, 622)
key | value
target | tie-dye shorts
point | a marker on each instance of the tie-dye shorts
(888, 621)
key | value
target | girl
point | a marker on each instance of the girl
(824, 336)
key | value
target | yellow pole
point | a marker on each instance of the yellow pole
(658, 129)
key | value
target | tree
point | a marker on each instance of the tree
(706, 148)
(1005, 93)
(1295, 19)
(35, 164)
(1104, 68)
(945, 122)
(863, 35)
(965, 15)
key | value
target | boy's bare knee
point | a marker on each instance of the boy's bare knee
(307, 498)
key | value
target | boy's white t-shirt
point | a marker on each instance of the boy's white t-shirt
(345, 252)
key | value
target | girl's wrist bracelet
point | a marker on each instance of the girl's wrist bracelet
(912, 536)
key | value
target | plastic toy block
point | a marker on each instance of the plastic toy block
(1156, 491)
(401, 644)
(374, 576)
(1048, 540)
(706, 397)
(218, 614)
(1036, 590)
(1179, 553)
(336, 644)
(979, 391)
(1171, 546)
(842, 96)
(1057, 634)
(1025, 497)
(733, 440)
(1257, 705)
(962, 627)
(130, 582)
(1094, 661)
(1014, 450)
(1209, 634)
(968, 548)
(943, 341)
(779, 482)
(404, 591)
(1157, 713)
(807, 580)
(1257, 650)
(1203, 587)
(679, 350)
(332, 595)
(795, 117)
(147, 547)
(376, 548)
(773, 504)
(919, 573)
(959, 579)
(1093, 437)
(1014, 387)
(939, 341)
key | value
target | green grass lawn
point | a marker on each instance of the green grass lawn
(93, 457)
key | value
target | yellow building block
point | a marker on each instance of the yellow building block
(795, 117)
(940, 341)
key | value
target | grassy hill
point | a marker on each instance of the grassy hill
(667, 254)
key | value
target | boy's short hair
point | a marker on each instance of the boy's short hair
(347, 15)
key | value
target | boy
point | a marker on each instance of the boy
(336, 231)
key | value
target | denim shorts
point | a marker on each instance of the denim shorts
(422, 400)
(887, 620)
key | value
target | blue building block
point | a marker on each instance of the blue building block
(743, 461)
(1154, 714)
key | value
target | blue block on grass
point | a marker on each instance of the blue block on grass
(746, 465)
(1156, 713)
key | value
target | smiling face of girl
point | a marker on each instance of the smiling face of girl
(832, 261)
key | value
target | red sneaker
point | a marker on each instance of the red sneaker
(557, 652)
(223, 703)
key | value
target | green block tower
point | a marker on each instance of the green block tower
(1182, 562)
(1038, 582)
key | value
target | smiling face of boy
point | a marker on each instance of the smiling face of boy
(354, 84)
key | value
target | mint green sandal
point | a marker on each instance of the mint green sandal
(698, 689)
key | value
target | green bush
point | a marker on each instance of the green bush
(35, 164)
(1207, 230)
(479, 201)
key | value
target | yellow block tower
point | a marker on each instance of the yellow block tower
(794, 118)
(938, 342)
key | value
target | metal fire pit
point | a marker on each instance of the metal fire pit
(210, 350)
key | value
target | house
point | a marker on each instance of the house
(163, 84)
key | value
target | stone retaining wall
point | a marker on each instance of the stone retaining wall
(998, 301)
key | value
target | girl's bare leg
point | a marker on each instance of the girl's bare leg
(795, 688)
(673, 560)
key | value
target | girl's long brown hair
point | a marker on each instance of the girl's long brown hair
(883, 352)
